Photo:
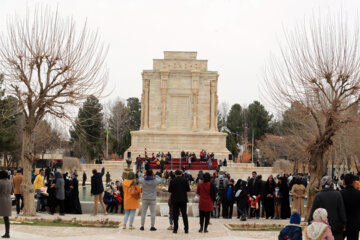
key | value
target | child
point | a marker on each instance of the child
(293, 230)
(217, 205)
(319, 227)
(254, 206)
(277, 202)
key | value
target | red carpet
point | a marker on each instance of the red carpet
(197, 165)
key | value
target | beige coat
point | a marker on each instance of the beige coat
(298, 203)
(5, 197)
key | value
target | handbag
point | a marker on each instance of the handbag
(237, 194)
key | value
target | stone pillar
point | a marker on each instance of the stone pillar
(146, 103)
(195, 75)
(164, 78)
(213, 105)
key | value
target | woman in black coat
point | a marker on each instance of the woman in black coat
(269, 198)
(75, 207)
(243, 201)
(285, 201)
(5, 201)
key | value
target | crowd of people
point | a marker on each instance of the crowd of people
(336, 205)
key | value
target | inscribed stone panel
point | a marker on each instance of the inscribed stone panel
(179, 110)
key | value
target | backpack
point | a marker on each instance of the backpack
(221, 184)
(134, 193)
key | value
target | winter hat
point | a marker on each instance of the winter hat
(295, 218)
(327, 182)
(320, 214)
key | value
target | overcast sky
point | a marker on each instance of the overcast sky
(235, 36)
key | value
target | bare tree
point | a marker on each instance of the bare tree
(48, 65)
(320, 69)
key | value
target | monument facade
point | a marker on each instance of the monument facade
(179, 108)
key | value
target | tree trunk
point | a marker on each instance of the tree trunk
(27, 188)
(316, 169)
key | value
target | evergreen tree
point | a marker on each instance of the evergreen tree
(235, 121)
(134, 107)
(258, 120)
(88, 130)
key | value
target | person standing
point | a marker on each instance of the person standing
(59, 193)
(298, 192)
(333, 202)
(84, 179)
(149, 183)
(138, 164)
(17, 180)
(285, 201)
(5, 201)
(38, 184)
(97, 189)
(207, 192)
(230, 199)
(254, 187)
(179, 187)
(75, 202)
(132, 195)
(269, 197)
(351, 198)
(108, 179)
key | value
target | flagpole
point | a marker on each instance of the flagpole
(252, 146)
(107, 143)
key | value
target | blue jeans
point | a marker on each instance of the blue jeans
(131, 213)
(39, 199)
(171, 220)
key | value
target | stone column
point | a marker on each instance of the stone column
(195, 75)
(164, 78)
(212, 105)
(146, 103)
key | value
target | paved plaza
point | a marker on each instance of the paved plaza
(217, 230)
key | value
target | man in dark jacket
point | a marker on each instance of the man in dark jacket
(178, 188)
(97, 189)
(332, 201)
(351, 198)
(254, 187)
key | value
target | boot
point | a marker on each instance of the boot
(201, 229)
(7, 235)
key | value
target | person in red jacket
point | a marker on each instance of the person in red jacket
(207, 192)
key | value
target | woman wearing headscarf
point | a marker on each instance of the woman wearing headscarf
(206, 190)
(132, 193)
(5, 201)
(285, 201)
(59, 193)
(298, 193)
(74, 196)
(269, 197)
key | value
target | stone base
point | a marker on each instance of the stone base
(174, 142)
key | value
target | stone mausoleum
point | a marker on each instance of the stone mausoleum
(179, 108)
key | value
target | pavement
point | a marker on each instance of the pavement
(217, 229)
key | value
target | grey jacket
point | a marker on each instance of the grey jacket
(60, 189)
(149, 187)
(5, 199)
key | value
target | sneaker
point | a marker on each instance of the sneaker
(153, 229)
(131, 227)
(170, 228)
(142, 228)
(106, 213)
(124, 226)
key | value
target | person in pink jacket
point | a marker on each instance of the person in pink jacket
(319, 228)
